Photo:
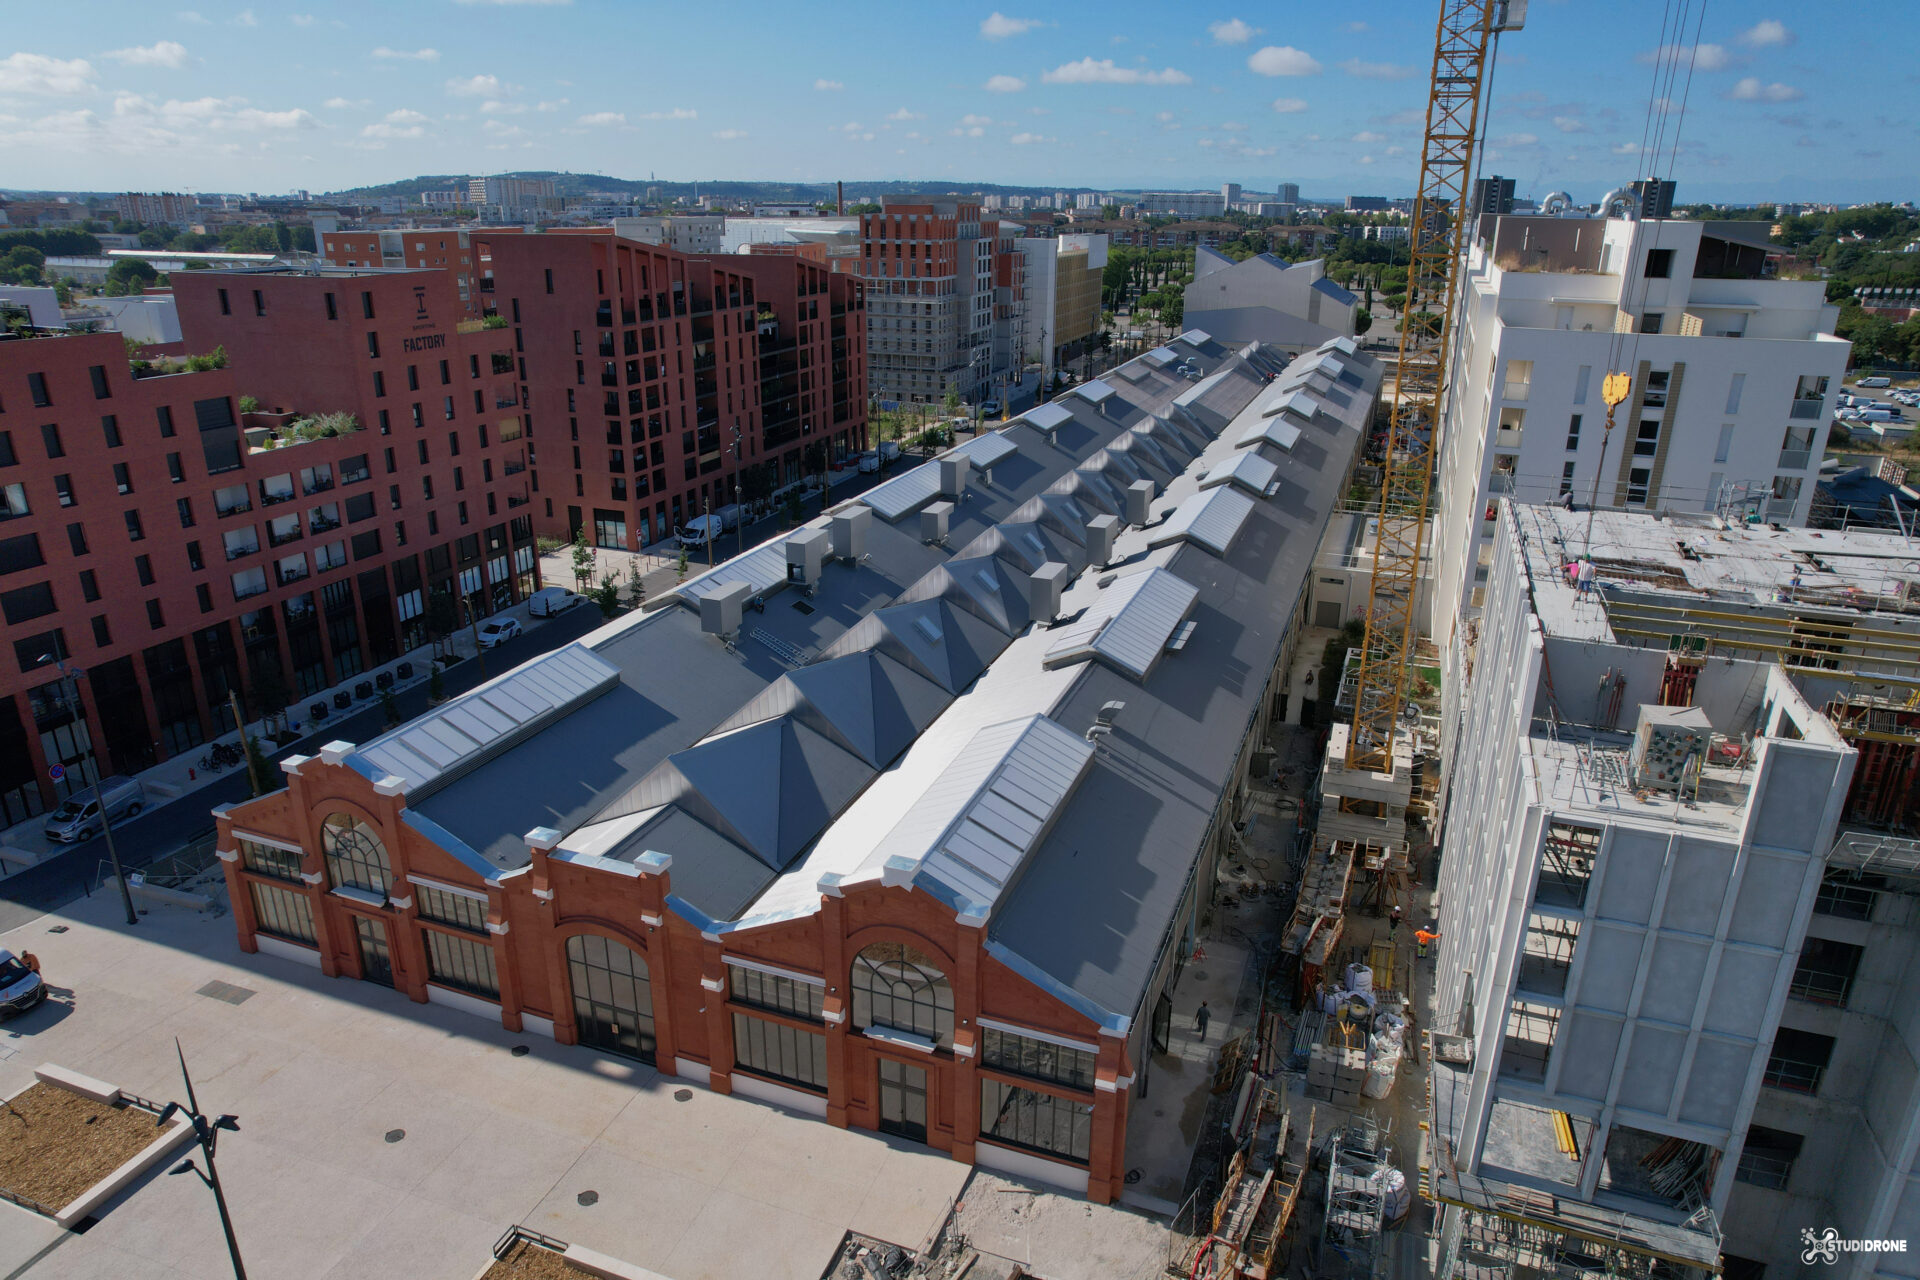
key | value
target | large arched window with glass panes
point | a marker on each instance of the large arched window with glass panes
(900, 989)
(356, 856)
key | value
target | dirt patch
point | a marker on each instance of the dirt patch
(526, 1260)
(55, 1144)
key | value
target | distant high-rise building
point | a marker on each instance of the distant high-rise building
(1656, 197)
(511, 195)
(1287, 193)
(1492, 195)
(164, 207)
(1367, 204)
(1229, 192)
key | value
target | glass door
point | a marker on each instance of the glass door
(903, 1100)
(376, 961)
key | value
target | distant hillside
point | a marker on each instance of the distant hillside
(579, 184)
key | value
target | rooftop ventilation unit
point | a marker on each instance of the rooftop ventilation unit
(934, 521)
(1044, 589)
(806, 554)
(1139, 501)
(1101, 532)
(848, 531)
(953, 475)
(720, 609)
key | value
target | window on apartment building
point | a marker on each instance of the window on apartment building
(203, 595)
(464, 964)
(98, 373)
(143, 567)
(102, 636)
(89, 586)
(333, 310)
(50, 438)
(1786, 488)
(419, 418)
(175, 471)
(1652, 322)
(1725, 444)
(446, 374)
(1638, 481)
(259, 303)
(379, 384)
(373, 344)
(134, 532)
(1519, 380)
(77, 538)
(1659, 264)
(1798, 1060)
(1654, 394)
(1573, 432)
(225, 308)
(462, 513)
(1796, 449)
(1766, 1159)
(433, 524)
(1566, 478)
(1646, 438)
(183, 507)
(366, 306)
(194, 560)
(386, 424)
(1734, 391)
(165, 415)
(122, 478)
(154, 618)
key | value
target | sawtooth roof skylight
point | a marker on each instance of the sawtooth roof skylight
(1248, 470)
(1211, 518)
(1129, 626)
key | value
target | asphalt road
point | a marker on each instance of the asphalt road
(73, 872)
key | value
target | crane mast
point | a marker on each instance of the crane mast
(1441, 220)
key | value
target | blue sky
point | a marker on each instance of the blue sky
(102, 94)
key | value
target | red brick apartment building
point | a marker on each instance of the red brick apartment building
(151, 536)
(682, 383)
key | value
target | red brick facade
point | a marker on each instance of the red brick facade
(532, 912)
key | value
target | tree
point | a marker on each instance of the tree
(390, 707)
(259, 771)
(303, 240)
(681, 567)
(636, 585)
(1362, 321)
(130, 276)
(63, 290)
(269, 695)
(584, 558)
(436, 684)
(607, 595)
(443, 619)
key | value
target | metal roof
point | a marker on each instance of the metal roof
(1281, 435)
(1209, 519)
(1132, 371)
(986, 449)
(1096, 391)
(1161, 355)
(902, 495)
(761, 568)
(1046, 417)
(1247, 469)
(971, 831)
(459, 734)
(1129, 626)
(1195, 337)
(1290, 400)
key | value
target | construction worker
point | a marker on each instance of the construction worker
(1393, 920)
(1201, 1017)
(1421, 937)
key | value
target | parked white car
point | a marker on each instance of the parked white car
(496, 631)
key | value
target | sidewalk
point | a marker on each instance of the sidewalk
(25, 843)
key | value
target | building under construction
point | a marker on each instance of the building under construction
(1673, 1019)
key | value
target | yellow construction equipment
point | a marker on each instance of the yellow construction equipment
(1441, 220)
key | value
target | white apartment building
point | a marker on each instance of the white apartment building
(688, 233)
(1731, 372)
(1680, 897)
(1183, 204)
(944, 288)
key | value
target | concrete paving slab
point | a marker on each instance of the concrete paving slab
(908, 1197)
(430, 1125)
(438, 1246)
(778, 1245)
(24, 1234)
(639, 1212)
(83, 1258)
(501, 1170)
(701, 1138)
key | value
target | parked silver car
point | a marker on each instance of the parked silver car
(79, 818)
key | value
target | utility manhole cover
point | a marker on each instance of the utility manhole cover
(227, 992)
(520, 1051)
(683, 1095)
(586, 1198)
(394, 1135)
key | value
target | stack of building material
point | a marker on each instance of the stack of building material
(1337, 1066)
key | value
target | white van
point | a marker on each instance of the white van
(548, 601)
(1874, 382)
(79, 818)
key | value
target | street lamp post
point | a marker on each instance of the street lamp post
(91, 775)
(207, 1134)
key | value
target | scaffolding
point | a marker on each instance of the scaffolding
(1256, 1204)
(1359, 1164)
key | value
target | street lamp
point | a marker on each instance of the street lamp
(207, 1133)
(90, 775)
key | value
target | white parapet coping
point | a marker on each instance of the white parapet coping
(74, 1082)
(598, 1264)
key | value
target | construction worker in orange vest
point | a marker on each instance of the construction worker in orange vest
(1421, 937)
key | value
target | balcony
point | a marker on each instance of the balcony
(1795, 459)
(245, 549)
(356, 475)
(276, 497)
(1808, 408)
(287, 577)
(317, 486)
(280, 538)
(232, 508)
(322, 525)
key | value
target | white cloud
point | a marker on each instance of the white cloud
(972, 119)
(904, 114)
(191, 16)
(1282, 60)
(1232, 31)
(1568, 124)
(551, 106)
(1396, 151)
(1768, 31)
(385, 54)
(1039, 111)
(1751, 89)
(1517, 140)
(676, 113)
(474, 87)
(1027, 139)
(245, 18)
(36, 75)
(998, 26)
(494, 107)
(1625, 148)
(1104, 71)
(1362, 70)
(603, 119)
(1705, 57)
(346, 104)
(1366, 159)
(167, 53)
(215, 115)
(828, 86)
(1288, 106)
(1233, 126)
(730, 135)
(1355, 27)
(1367, 136)
(1004, 84)
(501, 129)
(302, 19)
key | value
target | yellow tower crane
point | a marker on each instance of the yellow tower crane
(1441, 220)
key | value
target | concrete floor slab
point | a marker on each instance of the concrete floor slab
(24, 1234)
(908, 1197)
(439, 1246)
(701, 1138)
(778, 1246)
(502, 1170)
(638, 1215)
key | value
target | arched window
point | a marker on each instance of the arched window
(356, 856)
(895, 986)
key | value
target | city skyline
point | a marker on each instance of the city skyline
(117, 96)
